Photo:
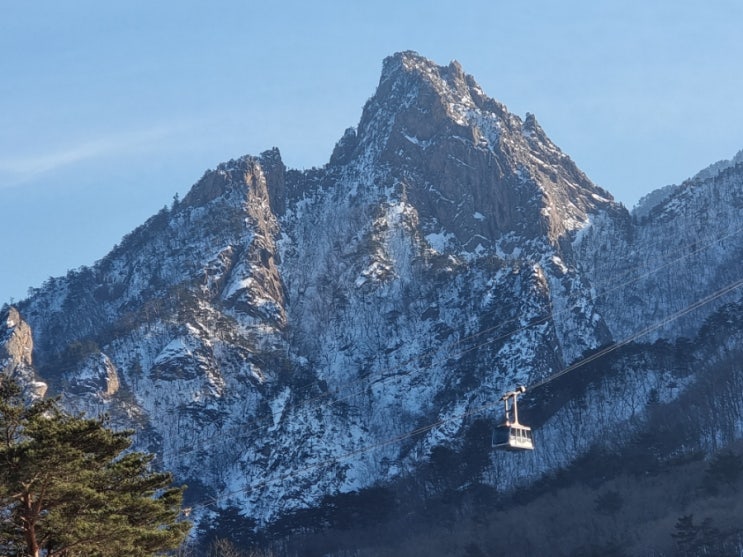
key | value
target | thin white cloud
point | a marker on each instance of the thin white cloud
(16, 170)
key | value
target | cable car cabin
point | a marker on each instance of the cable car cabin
(512, 436)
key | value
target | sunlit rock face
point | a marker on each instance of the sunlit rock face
(16, 349)
(276, 335)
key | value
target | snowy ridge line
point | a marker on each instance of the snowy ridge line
(681, 249)
(479, 410)
(398, 371)
(668, 319)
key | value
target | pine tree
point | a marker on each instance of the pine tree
(68, 487)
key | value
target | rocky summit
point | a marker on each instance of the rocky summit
(279, 337)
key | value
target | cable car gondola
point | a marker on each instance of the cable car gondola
(513, 436)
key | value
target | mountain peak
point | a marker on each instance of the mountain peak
(409, 70)
(436, 126)
(411, 62)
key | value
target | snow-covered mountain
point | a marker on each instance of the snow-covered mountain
(675, 249)
(279, 336)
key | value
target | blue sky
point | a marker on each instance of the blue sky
(108, 109)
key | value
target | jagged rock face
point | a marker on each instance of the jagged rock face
(16, 349)
(17, 343)
(269, 330)
(459, 155)
(247, 277)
